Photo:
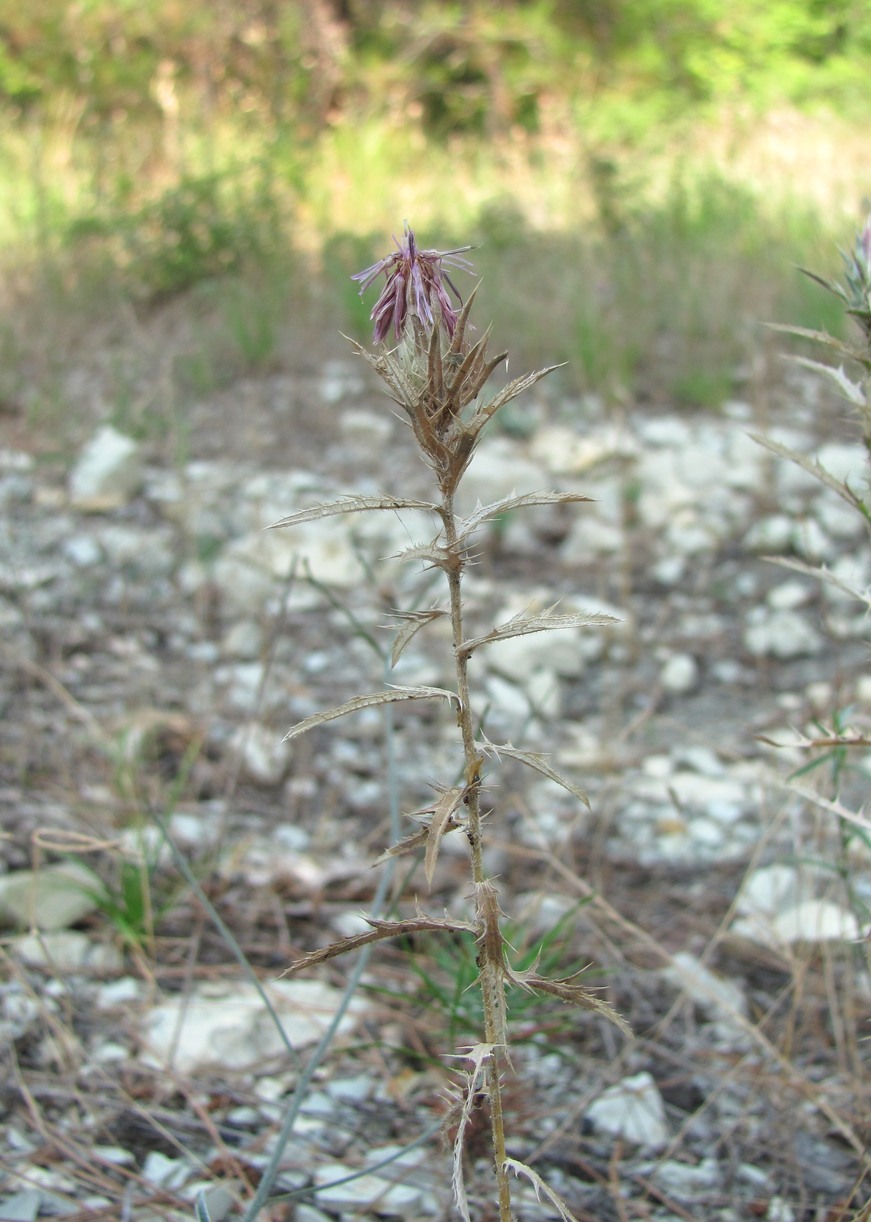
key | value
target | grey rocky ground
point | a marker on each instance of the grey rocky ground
(158, 642)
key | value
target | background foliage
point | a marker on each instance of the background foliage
(662, 163)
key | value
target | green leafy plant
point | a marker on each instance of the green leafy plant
(445, 972)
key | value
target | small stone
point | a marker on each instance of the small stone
(815, 920)
(780, 634)
(779, 1210)
(680, 674)
(83, 551)
(711, 992)
(244, 640)
(22, 1207)
(165, 1172)
(632, 1110)
(367, 433)
(52, 897)
(770, 534)
(66, 950)
(789, 595)
(108, 471)
(227, 1024)
(264, 754)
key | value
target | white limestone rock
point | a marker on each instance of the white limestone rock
(632, 1111)
(108, 472)
(780, 634)
(52, 897)
(226, 1024)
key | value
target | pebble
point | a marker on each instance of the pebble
(682, 802)
(107, 473)
(633, 1111)
(225, 1023)
(53, 897)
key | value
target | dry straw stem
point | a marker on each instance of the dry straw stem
(436, 373)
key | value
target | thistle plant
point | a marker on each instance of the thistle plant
(426, 353)
(843, 735)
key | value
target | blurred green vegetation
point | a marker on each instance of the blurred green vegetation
(640, 176)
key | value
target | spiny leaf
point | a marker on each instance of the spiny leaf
(350, 504)
(540, 1186)
(851, 390)
(442, 822)
(369, 701)
(438, 557)
(831, 286)
(859, 819)
(818, 337)
(485, 513)
(535, 761)
(479, 1056)
(509, 392)
(821, 573)
(568, 991)
(544, 621)
(414, 621)
(813, 468)
(380, 930)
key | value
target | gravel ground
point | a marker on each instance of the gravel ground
(157, 646)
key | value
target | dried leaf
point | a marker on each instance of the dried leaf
(532, 759)
(821, 573)
(479, 1056)
(512, 1164)
(568, 991)
(509, 392)
(859, 819)
(369, 701)
(813, 468)
(409, 844)
(438, 557)
(350, 504)
(544, 621)
(485, 513)
(442, 822)
(413, 621)
(380, 930)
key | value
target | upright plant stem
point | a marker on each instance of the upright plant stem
(490, 951)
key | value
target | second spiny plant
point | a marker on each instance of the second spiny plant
(436, 371)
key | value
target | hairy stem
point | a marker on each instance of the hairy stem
(490, 948)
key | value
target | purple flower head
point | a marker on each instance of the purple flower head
(415, 279)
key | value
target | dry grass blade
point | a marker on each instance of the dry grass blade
(368, 701)
(413, 622)
(544, 621)
(350, 504)
(442, 822)
(534, 760)
(380, 930)
(512, 1164)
